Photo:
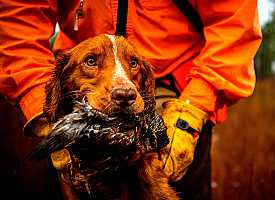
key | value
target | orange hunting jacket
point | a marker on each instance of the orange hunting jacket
(213, 71)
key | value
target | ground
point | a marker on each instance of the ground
(243, 151)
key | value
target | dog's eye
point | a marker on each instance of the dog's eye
(90, 60)
(133, 62)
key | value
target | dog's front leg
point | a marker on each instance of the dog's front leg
(153, 181)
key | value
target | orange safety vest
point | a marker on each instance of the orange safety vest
(212, 72)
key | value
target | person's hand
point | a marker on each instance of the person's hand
(179, 153)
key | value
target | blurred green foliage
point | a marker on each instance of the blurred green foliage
(266, 54)
(52, 39)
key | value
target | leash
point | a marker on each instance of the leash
(121, 22)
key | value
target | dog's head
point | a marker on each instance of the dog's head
(105, 70)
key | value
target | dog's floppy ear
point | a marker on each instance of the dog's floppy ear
(53, 88)
(148, 80)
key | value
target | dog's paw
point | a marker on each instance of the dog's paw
(153, 180)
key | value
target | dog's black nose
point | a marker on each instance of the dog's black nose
(124, 97)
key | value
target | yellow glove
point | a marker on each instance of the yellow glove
(178, 155)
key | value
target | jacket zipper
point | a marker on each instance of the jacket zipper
(79, 13)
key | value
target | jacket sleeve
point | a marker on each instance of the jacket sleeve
(223, 72)
(25, 56)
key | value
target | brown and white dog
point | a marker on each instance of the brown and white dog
(112, 77)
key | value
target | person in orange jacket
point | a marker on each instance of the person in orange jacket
(211, 71)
